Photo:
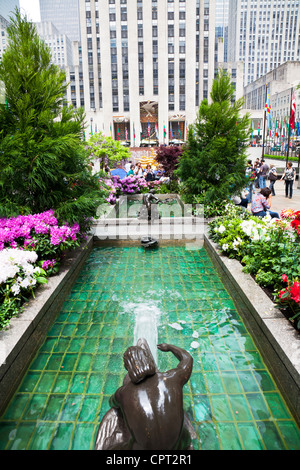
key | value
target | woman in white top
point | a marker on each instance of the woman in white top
(289, 177)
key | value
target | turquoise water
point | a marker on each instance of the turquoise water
(231, 396)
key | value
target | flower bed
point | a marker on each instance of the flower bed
(128, 185)
(31, 248)
(268, 249)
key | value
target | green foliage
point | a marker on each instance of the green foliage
(103, 148)
(43, 162)
(266, 249)
(214, 160)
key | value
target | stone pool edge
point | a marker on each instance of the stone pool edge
(274, 335)
(20, 342)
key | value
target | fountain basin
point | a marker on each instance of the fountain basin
(65, 391)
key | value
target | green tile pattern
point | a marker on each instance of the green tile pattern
(231, 397)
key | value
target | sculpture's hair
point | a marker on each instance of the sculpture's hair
(139, 363)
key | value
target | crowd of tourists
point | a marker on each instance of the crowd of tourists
(258, 174)
(148, 173)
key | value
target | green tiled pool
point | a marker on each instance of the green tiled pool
(231, 397)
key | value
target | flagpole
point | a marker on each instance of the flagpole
(289, 134)
(263, 147)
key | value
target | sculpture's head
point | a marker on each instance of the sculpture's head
(139, 363)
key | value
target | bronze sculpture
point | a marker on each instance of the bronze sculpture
(147, 411)
(146, 212)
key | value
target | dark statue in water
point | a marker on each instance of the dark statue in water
(147, 211)
(147, 411)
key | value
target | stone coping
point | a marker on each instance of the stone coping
(25, 334)
(276, 338)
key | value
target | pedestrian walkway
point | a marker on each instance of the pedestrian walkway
(279, 201)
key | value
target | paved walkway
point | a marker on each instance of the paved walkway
(280, 202)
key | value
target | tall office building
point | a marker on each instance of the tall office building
(7, 7)
(263, 34)
(222, 8)
(64, 14)
(147, 64)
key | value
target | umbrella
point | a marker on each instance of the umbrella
(119, 172)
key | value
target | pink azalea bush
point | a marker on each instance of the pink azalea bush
(31, 248)
(39, 232)
(128, 185)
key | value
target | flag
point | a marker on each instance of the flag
(133, 131)
(293, 111)
(268, 108)
(298, 128)
(156, 130)
(252, 129)
(171, 131)
(118, 133)
(276, 128)
(126, 134)
(165, 132)
(110, 131)
(179, 131)
(96, 129)
(258, 133)
(148, 129)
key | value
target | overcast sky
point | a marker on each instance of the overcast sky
(32, 9)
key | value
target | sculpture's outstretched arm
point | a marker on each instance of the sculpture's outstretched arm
(185, 366)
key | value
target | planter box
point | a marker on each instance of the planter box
(20, 342)
(276, 338)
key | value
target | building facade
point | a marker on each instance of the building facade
(7, 8)
(3, 35)
(64, 14)
(279, 84)
(60, 44)
(263, 34)
(147, 64)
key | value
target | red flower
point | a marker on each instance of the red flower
(281, 293)
(297, 215)
(295, 292)
(295, 224)
(284, 278)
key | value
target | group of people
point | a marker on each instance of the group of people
(258, 175)
(148, 173)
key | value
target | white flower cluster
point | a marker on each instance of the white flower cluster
(18, 262)
(256, 230)
(220, 229)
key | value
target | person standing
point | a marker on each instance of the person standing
(256, 169)
(250, 174)
(263, 171)
(139, 169)
(289, 177)
(272, 178)
(128, 166)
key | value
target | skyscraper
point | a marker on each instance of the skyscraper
(263, 34)
(64, 14)
(7, 7)
(147, 64)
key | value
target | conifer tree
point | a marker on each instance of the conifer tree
(213, 163)
(43, 163)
